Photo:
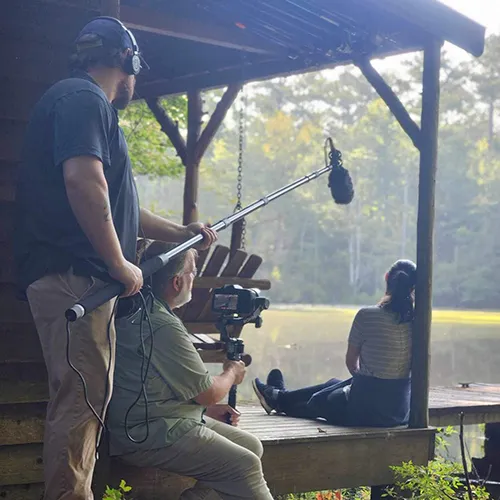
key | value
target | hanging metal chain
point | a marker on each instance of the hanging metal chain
(241, 148)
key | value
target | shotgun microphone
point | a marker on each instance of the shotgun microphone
(339, 180)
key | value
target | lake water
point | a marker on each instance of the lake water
(308, 344)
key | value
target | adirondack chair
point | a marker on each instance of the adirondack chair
(217, 267)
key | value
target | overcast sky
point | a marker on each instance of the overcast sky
(486, 12)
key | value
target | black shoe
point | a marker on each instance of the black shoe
(275, 378)
(268, 395)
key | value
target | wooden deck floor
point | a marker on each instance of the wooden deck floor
(306, 455)
(300, 455)
(480, 404)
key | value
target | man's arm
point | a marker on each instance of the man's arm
(233, 374)
(158, 228)
(178, 362)
(87, 192)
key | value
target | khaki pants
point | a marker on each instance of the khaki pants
(225, 460)
(71, 430)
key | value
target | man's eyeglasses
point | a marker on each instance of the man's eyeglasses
(193, 273)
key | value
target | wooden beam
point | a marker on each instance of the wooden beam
(169, 127)
(335, 456)
(419, 415)
(22, 423)
(216, 119)
(195, 112)
(110, 8)
(32, 491)
(27, 60)
(167, 24)
(438, 20)
(95, 5)
(258, 71)
(21, 464)
(223, 76)
(391, 99)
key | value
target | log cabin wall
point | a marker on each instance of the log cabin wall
(36, 40)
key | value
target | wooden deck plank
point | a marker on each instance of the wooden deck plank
(480, 398)
(480, 403)
(22, 409)
(21, 464)
(33, 491)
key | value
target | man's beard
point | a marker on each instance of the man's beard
(124, 95)
(185, 296)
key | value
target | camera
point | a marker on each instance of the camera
(234, 300)
(237, 306)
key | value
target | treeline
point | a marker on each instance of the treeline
(314, 250)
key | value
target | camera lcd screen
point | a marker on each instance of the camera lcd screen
(223, 302)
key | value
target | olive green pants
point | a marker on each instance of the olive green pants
(225, 461)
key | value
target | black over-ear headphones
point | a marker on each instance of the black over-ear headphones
(132, 63)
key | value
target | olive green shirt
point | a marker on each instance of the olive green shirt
(176, 375)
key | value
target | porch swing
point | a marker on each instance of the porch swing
(218, 266)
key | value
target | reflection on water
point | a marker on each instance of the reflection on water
(308, 345)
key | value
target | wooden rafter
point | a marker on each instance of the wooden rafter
(169, 127)
(216, 119)
(258, 71)
(391, 99)
(190, 29)
(439, 20)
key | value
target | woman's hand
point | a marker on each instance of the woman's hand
(209, 235)
(221, 412)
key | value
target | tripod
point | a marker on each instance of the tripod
(235, 347)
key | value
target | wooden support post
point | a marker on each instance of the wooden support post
(195, 112)
(419, 414)
(391, 99)
(110, 8)
(191, 151)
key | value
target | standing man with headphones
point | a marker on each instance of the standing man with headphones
(78, 220)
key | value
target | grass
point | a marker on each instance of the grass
(449, 316)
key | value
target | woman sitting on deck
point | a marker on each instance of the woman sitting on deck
(378, 358)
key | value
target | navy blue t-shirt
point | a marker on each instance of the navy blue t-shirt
(73, 118)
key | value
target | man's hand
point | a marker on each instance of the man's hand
(129, 275)
(238, 369)
(209, 235)
(220, 413)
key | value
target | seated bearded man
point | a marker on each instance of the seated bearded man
(185, 431)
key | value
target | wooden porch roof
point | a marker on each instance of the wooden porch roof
(200, 44)
(192, 44)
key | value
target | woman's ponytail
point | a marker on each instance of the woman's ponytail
(400, 285)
